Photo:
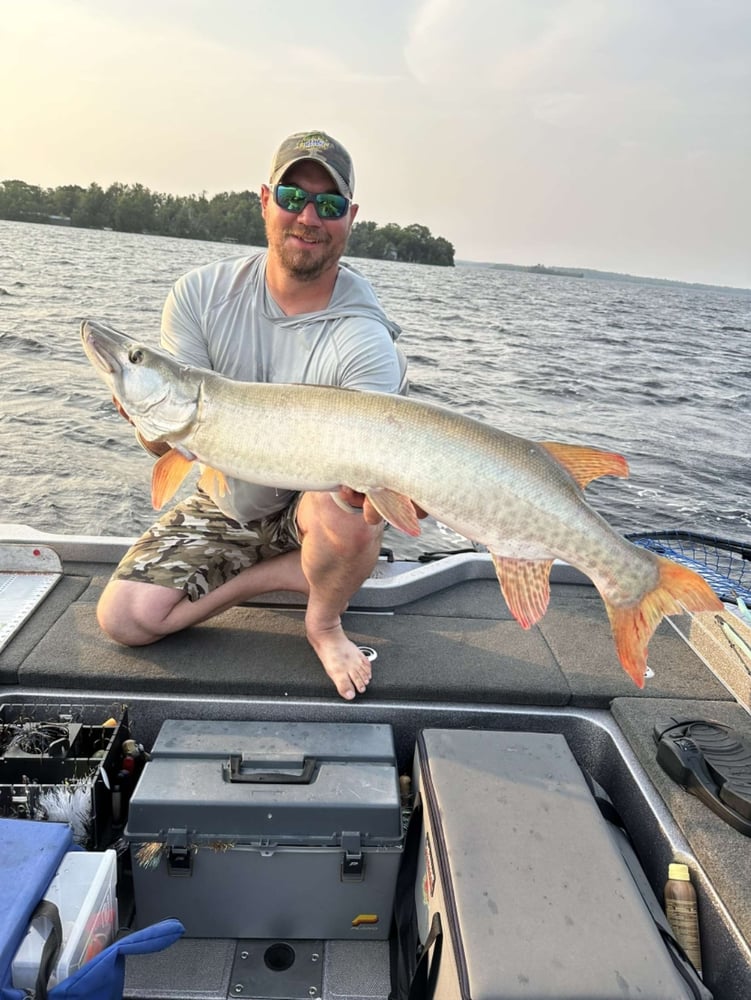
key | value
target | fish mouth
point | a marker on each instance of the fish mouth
(100, 347)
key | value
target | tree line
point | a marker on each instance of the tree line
(233, 216)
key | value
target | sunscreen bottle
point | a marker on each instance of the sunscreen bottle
(683, 913)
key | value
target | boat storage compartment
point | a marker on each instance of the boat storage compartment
(268, 830)
(534, 896)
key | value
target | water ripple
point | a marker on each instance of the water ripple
(659, 374)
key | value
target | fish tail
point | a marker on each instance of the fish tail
(678, 590)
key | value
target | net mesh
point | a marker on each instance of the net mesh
(724, 564)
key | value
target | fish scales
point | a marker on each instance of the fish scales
(522, 499)
(315, 437)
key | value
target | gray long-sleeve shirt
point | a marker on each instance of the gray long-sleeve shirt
(222, 317)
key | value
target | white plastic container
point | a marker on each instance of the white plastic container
(84, 891)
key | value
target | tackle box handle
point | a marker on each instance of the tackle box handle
(232, 771)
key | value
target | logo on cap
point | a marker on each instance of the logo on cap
(314, 141)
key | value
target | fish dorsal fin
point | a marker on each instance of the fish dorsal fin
(525, 584)
(213, 482)
(585, 463)
(396, 509)
(167, 476)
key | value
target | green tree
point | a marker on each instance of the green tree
(94, 209)
(134, 208)
(19, 200)
(66, 199)
(237, 216)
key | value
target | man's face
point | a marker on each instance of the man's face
(304, 245)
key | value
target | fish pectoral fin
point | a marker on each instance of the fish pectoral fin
(213, 482)
(585, 463)
(167, 476)
(396, 508)
(525, 584)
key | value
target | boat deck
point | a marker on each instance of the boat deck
(448, 654)
(458, 643)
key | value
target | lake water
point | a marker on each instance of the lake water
(659, 373)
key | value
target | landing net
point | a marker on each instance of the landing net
(723, 563)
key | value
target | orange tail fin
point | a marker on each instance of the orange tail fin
(678, 590)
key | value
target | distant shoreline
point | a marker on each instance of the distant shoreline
(539, 269)
(587, 272)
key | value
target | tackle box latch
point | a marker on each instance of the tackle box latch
(353, 860)
(179, 854)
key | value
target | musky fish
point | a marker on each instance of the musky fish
(521, 499)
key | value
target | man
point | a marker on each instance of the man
(291, 313)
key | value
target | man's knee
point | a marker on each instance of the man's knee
(129, 613)
(115, 624)
(345, 530)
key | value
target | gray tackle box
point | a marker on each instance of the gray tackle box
(532, 892)
(268, 830)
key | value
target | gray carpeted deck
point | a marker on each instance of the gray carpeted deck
(459, 645)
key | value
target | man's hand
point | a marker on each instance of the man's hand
(369, 513)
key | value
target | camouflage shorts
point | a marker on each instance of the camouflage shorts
(196, 548)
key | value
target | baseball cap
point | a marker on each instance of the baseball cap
(323, 149)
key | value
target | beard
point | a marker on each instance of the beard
(302, 264)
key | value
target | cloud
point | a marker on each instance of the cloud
(497, 45)
(624, 68)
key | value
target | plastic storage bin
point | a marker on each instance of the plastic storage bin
(268, 829)
(84, 891)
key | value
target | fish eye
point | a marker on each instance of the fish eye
(135, 356)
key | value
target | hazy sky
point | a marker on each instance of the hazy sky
(613, 134)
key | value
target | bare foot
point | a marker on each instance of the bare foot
(345, 664)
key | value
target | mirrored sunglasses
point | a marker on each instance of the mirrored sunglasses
(294, 199)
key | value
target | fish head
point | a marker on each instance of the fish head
(159, 394)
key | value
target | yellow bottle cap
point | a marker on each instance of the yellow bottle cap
(679, 872)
